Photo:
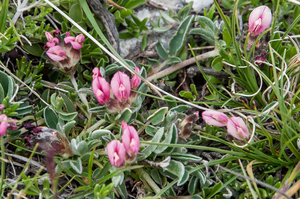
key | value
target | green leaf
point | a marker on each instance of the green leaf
(156, 176)
(2, 96)
(217, 64)
(124, 116)
(76, 165)
(161, 51)
(178, 40)
(167, 17)
(3, 15)
(134, 3)
(162, 29)
(158, 116)
(75, 12)
(167, 140)
(174, 60)
(187, 94)
(150, 148)
(193, 185)
(205, 22)
(68, 127)
(34, 49)
(79, 148)
(97, 109)
(144, 42)
(193, 88)
(208, 35)
(67, 116)
(180, 108)
(186, 157)
(50, 118)
(178, 169)
(95, 135)
(215, 189)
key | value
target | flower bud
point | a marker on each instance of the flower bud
(215, 118)
(51, 41)
(130, 139)
(3, 124)
(120, 86)
(259, 19)
(96, 73)
(116, 153)
(187, 124)
(237, 128)
(135, 81)
(101, 90)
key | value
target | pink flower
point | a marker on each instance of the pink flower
(3, 124)
(96, 73)
(116, 153)
(215, 118)
(237, 128)
(56, 53)
(101, 90)
(130, 139)
(75, 41)
(135, 81)
(259, 19)
(51, 41)
(120, 85)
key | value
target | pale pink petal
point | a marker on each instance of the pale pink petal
(214, 118)
(49, 36)
(259, 19)
(116, 153)
(237, 128)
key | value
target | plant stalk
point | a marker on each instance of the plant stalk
(183, 64)
(2, 164)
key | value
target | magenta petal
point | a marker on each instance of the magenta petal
(69, 39)
(120, 85)
(76, 45)
(79, 38)
(56, 53)
(3, 124)
(96, 73)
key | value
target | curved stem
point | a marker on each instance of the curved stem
(183, 64)
(2, 164)
(149, 180)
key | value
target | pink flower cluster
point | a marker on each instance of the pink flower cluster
(64, 54)
(235, 125)
(259, 19)
(120, 86)
(130, 145)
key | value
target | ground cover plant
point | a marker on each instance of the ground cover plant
(211, 113)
